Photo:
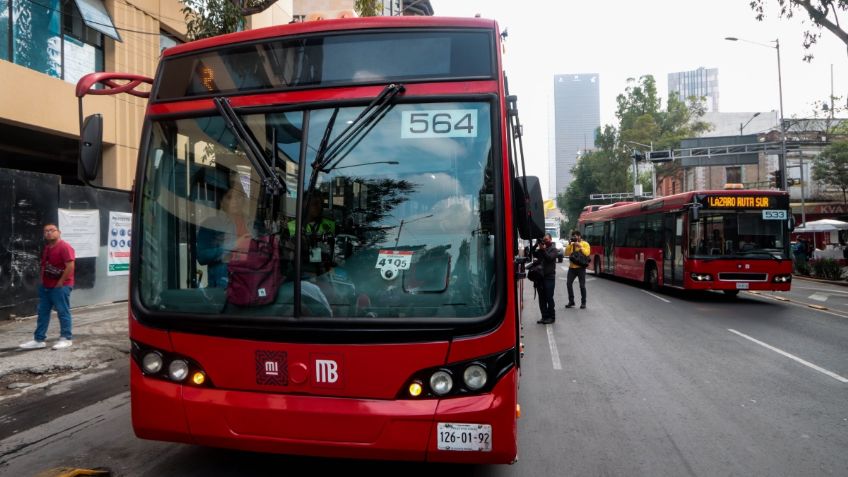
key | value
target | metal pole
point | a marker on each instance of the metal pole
(803, 205)
(782, 159)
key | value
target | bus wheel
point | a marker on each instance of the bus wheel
(652, 278)
(731, 292)
(597, 265)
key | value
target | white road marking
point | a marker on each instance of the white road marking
(818, 297)
(552, 344)
(791, 356)
(655, 296)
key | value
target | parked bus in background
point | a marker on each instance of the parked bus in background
(353, 187)
(727, 240)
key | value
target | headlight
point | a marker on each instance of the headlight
(782, 278)
(178, 370)
(152, 362)
(701, 277)
(441, 383)
(475, 377)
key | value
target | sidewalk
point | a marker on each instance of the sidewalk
(100, 337)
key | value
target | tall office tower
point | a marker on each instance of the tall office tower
(700, 82)
(577, 114)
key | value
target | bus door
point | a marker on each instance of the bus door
(609, 255)
(672, 249)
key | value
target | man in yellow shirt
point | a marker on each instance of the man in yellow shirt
(576, 244)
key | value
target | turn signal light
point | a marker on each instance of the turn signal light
(415, 389)
(198, 378)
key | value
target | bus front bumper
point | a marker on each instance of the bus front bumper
(321, 426)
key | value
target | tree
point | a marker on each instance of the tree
(641, 120)
(206, 18)
(831, 167)
(368, 8)
(822, 13)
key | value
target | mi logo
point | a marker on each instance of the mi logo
(272, 368)
(326, 371)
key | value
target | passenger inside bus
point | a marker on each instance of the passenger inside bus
(218, 237)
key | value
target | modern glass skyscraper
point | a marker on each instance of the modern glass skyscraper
(577, 114)
(700, 82)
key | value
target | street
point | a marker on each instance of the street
(640, 383)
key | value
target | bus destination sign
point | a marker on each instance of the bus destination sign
(738, 202)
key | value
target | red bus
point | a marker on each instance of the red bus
(324, 253)
(729, 240)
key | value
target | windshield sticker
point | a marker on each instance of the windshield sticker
(441, 123)
(391, 262)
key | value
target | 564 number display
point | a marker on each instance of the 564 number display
(438, 123)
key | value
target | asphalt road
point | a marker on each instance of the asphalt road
(659, 384)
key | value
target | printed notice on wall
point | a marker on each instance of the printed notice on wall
(81, 229)
(120, 234)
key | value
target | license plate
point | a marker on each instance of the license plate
(464, 437)
(742, 285)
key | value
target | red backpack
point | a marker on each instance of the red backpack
(254, 272)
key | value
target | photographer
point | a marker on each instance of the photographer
(575, 270)
(546, 253)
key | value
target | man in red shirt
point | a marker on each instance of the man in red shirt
(57, 281)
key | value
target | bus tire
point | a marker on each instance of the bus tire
(731, 292)
(597, 263)
(652, 277)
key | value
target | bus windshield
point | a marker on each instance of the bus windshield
(399, 224)
(737, 233)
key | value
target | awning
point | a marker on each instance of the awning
(95, 16)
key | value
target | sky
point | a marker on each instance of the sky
(621, 39)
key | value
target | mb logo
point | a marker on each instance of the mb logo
(326, 371)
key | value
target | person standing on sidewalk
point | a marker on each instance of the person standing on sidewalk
(576, 244)
(57, 281)
(546, 254)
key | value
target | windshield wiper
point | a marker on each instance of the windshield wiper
(328, 151)
(355, 131)
(267, 172)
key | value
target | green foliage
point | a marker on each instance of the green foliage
(827, 269)
(368, 8)
(831, 167)
(821, 13)
(207, 18)
(641, 120)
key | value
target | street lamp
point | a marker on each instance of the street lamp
(636, 168)
(782, 160)
(742, 126)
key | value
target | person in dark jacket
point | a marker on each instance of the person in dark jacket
(546, 253)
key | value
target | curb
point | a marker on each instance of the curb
(818, 280)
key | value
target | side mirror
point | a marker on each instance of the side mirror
(529, 207)
(91, 148)
(791, 222)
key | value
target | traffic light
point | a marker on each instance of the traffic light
(776, 179)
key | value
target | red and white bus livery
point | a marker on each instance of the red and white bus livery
(729, 240)
(325, 254)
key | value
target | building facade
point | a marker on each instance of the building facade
(702, 82)
(577, 116)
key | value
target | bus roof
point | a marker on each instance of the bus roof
(665, 204)
(318, 26)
